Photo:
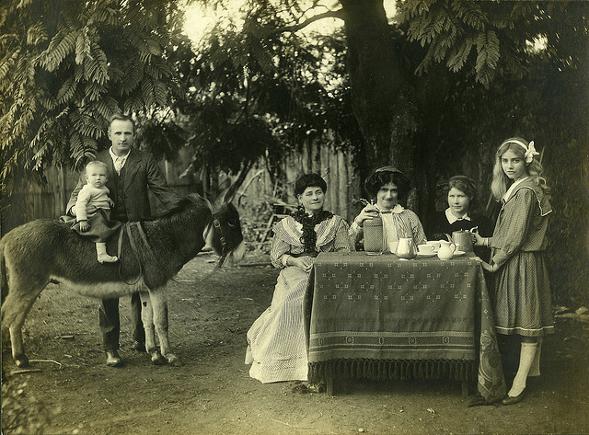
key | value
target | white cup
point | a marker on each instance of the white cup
(435, 244)
(426, 249)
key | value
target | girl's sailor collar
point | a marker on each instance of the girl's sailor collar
(541, 197)
(507, 194)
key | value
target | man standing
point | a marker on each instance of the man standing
(131, 174)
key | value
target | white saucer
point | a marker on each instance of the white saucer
(458, 253)
(426, 255)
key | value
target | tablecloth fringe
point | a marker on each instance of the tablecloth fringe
(393, 369)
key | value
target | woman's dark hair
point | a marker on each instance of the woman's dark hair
(464, 184)
(386, 175)
(309, 237)
(309, 180)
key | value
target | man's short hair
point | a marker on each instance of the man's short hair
(121, 117)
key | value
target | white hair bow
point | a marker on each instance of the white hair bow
(530, 152)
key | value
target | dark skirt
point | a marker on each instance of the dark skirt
(523, 303)
(101, 227)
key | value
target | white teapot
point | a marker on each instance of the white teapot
(446, 250)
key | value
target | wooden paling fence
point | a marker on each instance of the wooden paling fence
(32, 200)
(335, 166)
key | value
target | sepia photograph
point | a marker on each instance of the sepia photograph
(294, 217)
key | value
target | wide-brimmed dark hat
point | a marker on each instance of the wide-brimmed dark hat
(384, 175)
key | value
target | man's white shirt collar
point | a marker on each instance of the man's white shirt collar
(118, 161)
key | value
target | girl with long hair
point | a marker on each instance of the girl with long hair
(521, 286)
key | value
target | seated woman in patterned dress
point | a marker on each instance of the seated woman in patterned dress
(277, 345)
(389, 187)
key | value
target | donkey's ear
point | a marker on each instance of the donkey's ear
(228, 194)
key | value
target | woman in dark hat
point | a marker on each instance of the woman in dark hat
(389, 188)
(277, 345)
(460, 213)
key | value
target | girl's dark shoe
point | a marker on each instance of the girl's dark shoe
(305, 387)
(509, 400)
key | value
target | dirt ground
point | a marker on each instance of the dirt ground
(211, 393)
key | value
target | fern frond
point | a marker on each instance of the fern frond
(67, 90)
(459, 56)
(82, 46)
(107, 106)
(62, 44)
(488, 56)
(36, 34)
(160, 91)
(147, 90)
(100, 72)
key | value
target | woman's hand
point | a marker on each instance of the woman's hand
(84, 226)
(367, 213)
(478, 240)
(305, 263)
(492, 268)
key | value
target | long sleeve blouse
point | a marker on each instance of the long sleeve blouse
(332, 236)
(397, 223)
(522, 223)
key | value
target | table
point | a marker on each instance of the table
(382, 317)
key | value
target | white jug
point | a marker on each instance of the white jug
(446, 250)
(406, 248)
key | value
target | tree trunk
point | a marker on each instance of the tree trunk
(377, 86)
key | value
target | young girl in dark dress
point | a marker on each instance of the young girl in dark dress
(521, 287)
(459, 215)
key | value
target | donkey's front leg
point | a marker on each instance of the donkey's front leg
(147, 319)
(160, 319)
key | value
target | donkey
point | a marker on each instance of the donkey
(150, 253)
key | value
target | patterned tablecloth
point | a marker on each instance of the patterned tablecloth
(381, 317)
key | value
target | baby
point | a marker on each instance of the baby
(92, 210)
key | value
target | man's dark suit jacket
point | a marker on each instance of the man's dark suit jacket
(141, 175)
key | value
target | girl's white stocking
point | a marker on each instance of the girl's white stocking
(526, 358)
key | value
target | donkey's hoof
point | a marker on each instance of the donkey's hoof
(173, 360)
(157, 359)
(21, 361)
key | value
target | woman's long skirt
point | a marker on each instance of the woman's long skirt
(277, 345)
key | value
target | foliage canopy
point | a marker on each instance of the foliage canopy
(66, 66)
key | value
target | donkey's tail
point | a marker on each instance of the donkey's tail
(3, 275)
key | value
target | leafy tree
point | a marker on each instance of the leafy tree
(446, 78)
(434, 92)
(252, 92)
(66, 66)
(388, 64)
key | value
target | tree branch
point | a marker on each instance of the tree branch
(296, 27)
